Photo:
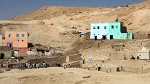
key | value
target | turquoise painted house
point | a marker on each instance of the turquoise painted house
(112, 30)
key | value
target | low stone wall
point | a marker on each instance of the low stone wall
(133, 70)
(75, 57)
(54, 61)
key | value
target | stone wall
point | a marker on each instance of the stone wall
(54, 61)
(6, 54)
(75, 57)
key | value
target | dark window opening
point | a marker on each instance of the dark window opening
(97, 27)
(95, 37)
(104, 27)
(104, 37)
(94, 27)
(9, 35)
(112, 27)
(111, 37)
(2, 56)
(22, 40)
(116, 26)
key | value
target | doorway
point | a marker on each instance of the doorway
(2, 56)
(9, 45)
(104, 37)
(111, 37)
(95, 37)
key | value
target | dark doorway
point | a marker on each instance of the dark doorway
(104, 37)
(111, 37)
(30, 45)
(9, 45)
(95, 38)
(2, 56)
(148, 36)
(99, 68)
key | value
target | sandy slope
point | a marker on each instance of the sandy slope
(71, 76)
(53, 26)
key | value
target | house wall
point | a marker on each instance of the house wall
(17, 42)
(7, 54)
(144, 54)
(130, 36)
(112, 29)
(95, 31)
(0, 40)
(123, 36)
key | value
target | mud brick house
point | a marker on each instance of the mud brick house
(111, 30)
(5, 52)
(17, 40)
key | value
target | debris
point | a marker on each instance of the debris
(86, 76)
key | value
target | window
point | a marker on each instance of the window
(104, 27)
(94, 27)
(9, 35)
(17, 35)
(97, 27)
(22, 35)
(116, 26)
(112, 27)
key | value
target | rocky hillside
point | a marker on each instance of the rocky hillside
(56, 26)
(135, 17)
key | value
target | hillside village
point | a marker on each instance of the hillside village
(96, 40)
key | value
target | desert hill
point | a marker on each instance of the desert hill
(135, 17)
(56, 26)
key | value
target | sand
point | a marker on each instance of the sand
(57, 75)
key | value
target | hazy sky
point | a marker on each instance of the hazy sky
(10, 8)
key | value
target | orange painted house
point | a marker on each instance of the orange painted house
(18, 40)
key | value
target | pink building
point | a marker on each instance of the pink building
(18, 40)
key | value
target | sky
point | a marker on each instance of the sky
(11, 8)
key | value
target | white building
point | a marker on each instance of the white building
(144, 54)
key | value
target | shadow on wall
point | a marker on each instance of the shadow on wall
(132, 36)
(123, 28)
(2, 56)
(30, 45)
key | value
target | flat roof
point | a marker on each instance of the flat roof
(103, 22)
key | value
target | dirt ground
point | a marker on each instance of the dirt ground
(54, 26)
(70, 76)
